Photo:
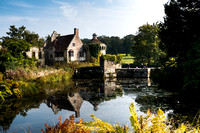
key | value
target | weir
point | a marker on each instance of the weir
(108, 69)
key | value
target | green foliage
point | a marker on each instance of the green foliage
(145, 49)
(128, 41)
(93, 59)
(151, 123)
(180, 27)
(113, 58)
(99, 126)
(28, 88)
(5, 91)
(94, 50)
(15, 46)
(59, 76)
(180, 36)
(109, 57)
(191, 68)
(9, 88)
(1, 97)
(119, 58)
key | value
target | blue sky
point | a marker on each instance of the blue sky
(103, 17)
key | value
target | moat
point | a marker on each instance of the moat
(107, 100)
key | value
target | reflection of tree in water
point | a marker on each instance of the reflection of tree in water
(181, 107)
(10, 108)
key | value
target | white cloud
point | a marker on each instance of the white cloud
(122, 17)
(67, 10)
(109, 1)
(118, 18)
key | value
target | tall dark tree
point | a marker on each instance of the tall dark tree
(180, 28)
(128, 41)
(17, 33)
(180, 34)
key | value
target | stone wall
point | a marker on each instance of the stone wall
(133, 73)
(109, 68)
(88, 73)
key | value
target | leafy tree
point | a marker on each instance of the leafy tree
(180, 28)
(16, 33)
(116, 45)
(180, 34)
(191, 68)
(128, 41)
(16, 47)
(145, 48)
(22, 34)
(85, 40)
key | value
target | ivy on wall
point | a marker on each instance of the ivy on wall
(94, 50)
(113, 58)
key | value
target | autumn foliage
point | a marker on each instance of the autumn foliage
(151, 123)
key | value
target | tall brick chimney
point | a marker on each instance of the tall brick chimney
(76, 32)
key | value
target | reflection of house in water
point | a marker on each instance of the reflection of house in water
(94, 92)
(71, 102)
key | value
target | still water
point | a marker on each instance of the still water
(107, 100)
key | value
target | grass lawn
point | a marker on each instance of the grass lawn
(127, 59)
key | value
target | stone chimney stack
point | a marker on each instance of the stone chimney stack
(76, 32)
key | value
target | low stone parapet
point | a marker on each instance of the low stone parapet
(133, 73)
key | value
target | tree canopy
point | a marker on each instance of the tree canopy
(180, 28)
(15, 46)
(145, 49)
(180, 38)
(115, 45)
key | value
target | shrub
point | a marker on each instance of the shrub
(1, 77)
(152, 123)
(28, 88)
(8, 89)
(113, 58)
(68, 126)
(93, 59)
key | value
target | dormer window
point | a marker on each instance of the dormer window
(73, 44)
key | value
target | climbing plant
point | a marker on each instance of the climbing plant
(94, 50)
(113, 58)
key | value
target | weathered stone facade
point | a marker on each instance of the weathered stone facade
(109, 68)
(66, 48)
(36, 53)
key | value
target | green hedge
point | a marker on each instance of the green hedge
(113, 58)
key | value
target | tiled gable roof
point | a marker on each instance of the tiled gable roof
(61, 43)
(95, 41)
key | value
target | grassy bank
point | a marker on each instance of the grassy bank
(24, 82)
(127, 59)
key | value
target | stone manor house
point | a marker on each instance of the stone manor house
(66, 48)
